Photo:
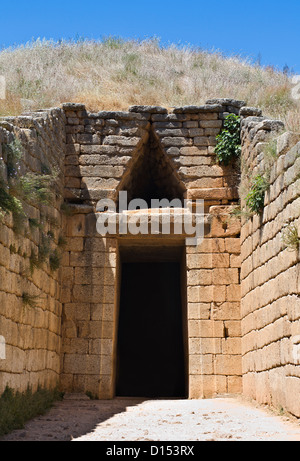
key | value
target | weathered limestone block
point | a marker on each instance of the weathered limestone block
(220, 260)
(102, 171)
(199, 261)
(148, 109)
(206, 329)
(209, 107)
(82, 364)
(76, 226)
(200, 294)
(199, 346)
(233, 328)
(234, 385)
(196, 132)
(122, 141)
(219, 294)
(228, 365)
(97, 185)
(231, 346)
(106, 386)
(226, 311)
(199, 311)
(176, 142)
(233, 293)
(169, 132)
(224, 276)
(199, 277)
(190, 151)
(201, 364)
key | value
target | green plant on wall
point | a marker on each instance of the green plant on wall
(290, 237)
(54, 260)
(9, 173)
(29, 300)
(11, 204)
(35, 189)
(13, 153)
(256, 196)
(228, 145)
(258, 184)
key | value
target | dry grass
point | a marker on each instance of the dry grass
(114, 74)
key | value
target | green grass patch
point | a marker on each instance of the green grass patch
(29, 300)
(17, 408)
(54, 261)
(290, 237)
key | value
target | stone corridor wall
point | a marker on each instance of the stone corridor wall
(104, 153)
(270, 274)
(242, 309)
(30, 302)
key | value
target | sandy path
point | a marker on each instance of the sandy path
(78, 419)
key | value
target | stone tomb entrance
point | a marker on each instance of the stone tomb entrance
(152, 327)
(150, 314)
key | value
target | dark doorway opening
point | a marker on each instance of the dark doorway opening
(151, 350)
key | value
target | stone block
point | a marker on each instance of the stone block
(211, 124)
(220, 260)
(231, 346)
(234, 384)
(202, 294)
(225, 276)
(106, 387)
(176, 142)
(233, 293)
(76, 226)
(199, 277)
(199, 261)
(232, 328)
(205, 329)
(201, 364)
(221, 226)
(199, 311)
(228, 365)
(199, 346)
(226, 311)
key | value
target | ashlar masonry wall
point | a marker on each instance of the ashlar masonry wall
(103, 158)
(70, 336)
(270, 272)
(30, 301)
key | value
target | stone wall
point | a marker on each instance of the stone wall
(30, 306)
(270, 276)
(107, 152)
(70, 335)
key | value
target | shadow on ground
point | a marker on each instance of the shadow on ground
(225, 418)
(74, 417)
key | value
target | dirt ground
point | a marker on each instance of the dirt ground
(77, 418)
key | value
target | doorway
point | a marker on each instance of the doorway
(151, 356)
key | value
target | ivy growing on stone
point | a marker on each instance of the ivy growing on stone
(228, 145)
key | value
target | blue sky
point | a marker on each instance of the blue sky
(265, 30)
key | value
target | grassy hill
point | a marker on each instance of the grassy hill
(114, 74)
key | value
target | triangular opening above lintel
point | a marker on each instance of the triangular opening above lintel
(152, 176)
